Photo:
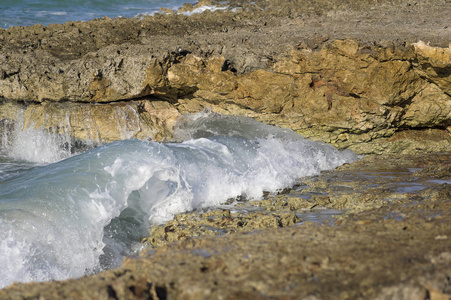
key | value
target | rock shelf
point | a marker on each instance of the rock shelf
(371, 76)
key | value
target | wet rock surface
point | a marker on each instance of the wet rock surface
(374, 229)
(353, 74)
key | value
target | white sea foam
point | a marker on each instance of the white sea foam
(44, 13)
(39, 145)
(201, 9)
(196, 10)
(85, 213)
(34, 145)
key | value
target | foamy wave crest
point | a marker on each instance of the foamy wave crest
(85, 213)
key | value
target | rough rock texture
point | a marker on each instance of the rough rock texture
(393, 242)
(338, 71)
(352, 73)
(104, 122)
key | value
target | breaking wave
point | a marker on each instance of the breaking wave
(86, 212)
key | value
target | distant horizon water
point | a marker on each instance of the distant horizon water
(31, 12)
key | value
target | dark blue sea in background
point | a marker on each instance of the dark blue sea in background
(30, 12)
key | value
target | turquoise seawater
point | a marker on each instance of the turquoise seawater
(66, 213)
(30, 12)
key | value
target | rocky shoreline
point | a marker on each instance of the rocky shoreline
(389, 238)
(332, 72)
(351, 73)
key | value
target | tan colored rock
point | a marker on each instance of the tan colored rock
(349, 94)
(215, 222)
(346, 91)
(104, 122)
(346, 94)
(10, 110)
(435, 63)
(263, 91)
(431, 107)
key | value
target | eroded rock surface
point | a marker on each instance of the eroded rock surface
(340, 72)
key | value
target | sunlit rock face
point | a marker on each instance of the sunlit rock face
(368, 97)
(95, 123)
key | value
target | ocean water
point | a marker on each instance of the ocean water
(30, 12)
(65, 213)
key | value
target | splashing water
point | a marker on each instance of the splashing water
(84, 213)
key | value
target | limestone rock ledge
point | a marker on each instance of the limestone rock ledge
(368, 97)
